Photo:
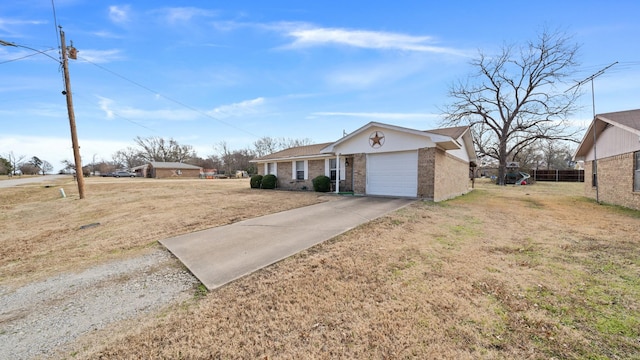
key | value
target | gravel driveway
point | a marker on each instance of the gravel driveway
(43, 317)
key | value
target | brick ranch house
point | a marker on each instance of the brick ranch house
(616, 153)
(159, 169)
(381, 159)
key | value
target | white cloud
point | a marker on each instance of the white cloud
(105, 105)
(111, 110)
(307, 36)
(100, 56)
(237, 109)
(119, 14)
(106, 34)
(185, 14)
(8, 26)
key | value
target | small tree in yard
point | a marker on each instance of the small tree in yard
(515, 98)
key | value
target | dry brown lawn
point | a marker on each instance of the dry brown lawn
(42, 233)
(532, 272)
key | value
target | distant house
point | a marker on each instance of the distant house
(158, 169)
(381, 159)
(612, 142)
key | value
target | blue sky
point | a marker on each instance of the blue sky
(203, 72)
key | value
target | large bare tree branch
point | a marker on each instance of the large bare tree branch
(513, 99)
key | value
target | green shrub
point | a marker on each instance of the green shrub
(256, 181)
(321, 183)
(269, 181)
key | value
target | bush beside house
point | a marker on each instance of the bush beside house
(269, 181)
(256, 181)
(321, 183)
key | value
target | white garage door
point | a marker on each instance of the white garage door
(393, 174)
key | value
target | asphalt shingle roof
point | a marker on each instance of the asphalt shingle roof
(307, 150)
(629, 118)
(172, 165)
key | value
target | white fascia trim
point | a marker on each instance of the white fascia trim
(307, 157)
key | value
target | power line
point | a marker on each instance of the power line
(168, 98)
(36, 51)
(115, 113)
(27, 56)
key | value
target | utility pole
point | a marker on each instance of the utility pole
(72, 117)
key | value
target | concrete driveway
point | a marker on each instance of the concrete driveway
(220, 255)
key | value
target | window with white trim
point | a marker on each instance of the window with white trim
(332, 169)
(270, 168)
(636, 171)
(299, 170)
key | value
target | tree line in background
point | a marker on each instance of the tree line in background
(225, 160)
(12, 164)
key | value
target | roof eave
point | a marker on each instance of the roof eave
(288, 158)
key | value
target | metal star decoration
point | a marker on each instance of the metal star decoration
(376, 139)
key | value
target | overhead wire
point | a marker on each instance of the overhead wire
(116, 114)
(36, 52)
(203, 113)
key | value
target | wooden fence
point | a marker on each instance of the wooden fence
(557, 175)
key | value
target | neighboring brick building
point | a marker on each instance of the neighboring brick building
(616, 177)
(159, 169)
(381, 159)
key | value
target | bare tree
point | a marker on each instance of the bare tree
(156, 148)
(267, 145)
(225, 155)
(15, 161)
(69, 166)
(514, 98)
(45, 167)
(128, 158)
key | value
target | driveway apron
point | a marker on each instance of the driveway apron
(220, 255)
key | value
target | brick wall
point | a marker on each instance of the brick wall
(426, 167)
(285, 181)
(615, 181)
(347, 183)
(359, 174)
(451, 176)
(172, 173)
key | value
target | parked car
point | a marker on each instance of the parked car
(124, 174)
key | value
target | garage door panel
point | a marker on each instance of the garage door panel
(393, 174)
